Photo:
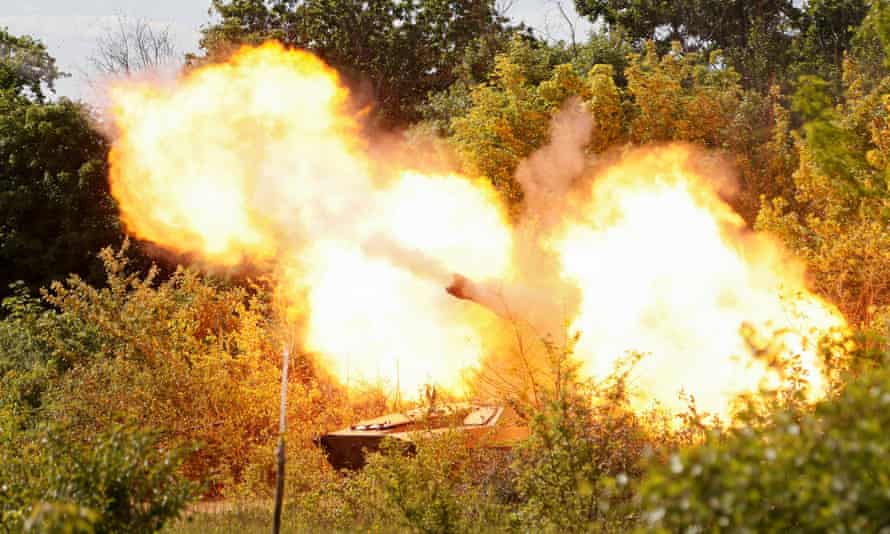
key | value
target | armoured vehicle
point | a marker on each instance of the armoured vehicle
(489, 426)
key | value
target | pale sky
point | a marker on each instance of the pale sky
(70, 28)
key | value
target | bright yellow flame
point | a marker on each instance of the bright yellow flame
(446, 217)
(195, 166)
(378, 321)
(259, 159)
(666, 268)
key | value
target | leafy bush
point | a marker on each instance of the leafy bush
(117, 482)
(26, 368)
(564, 472)
(55, 206)
(191, 355)
(587, 447)
(436, 489)
(819, 472)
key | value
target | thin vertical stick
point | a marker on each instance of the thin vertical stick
(279, 487)
(398, 387)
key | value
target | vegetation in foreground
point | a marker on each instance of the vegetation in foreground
(128, 392)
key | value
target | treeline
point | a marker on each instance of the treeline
(796, 95)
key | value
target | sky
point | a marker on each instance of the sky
(71, 28)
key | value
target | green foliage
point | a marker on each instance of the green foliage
(508, 117)
(430, 492)
(828, 28)
(668, 97)
(706, 21)
(830, 142)
(439, 485)
(118, 481)
(767, 42)
(25, 67)
(537, 60)
(871, 42)
(403, 49)
(442, 106)
(577, 470)
(55, 207)
(564, 470)
(508, 120)
(188, 355)
(610, 49)
(61, 518)
(820, 472)
(25, 370)
(607, 106)
(837, 215)
(680, 97)
(754, 35)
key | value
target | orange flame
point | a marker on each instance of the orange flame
(260, 159)
(668, 269)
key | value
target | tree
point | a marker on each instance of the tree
(668, 97)
(695, 23)
(766, 41)
(837, 216)
(681, 97)
(402, 49)
(827, 29)
(506, 121)
(26, 68)
(55, 208)
(871, 43)
(132, 47)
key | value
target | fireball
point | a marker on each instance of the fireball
(261, 159)
(668, 270)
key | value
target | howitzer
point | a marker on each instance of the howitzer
(482, 426)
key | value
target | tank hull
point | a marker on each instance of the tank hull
(482, 427)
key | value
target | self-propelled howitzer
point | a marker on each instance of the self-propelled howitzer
(481, 425)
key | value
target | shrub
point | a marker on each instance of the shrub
(573, 474)
(436, 489)
(190, 354)
(819, 472)
(118, 482)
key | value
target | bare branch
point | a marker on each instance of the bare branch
(570, 24)
(503, 7)
(133, 46)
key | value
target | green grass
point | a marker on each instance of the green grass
(240, 519)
